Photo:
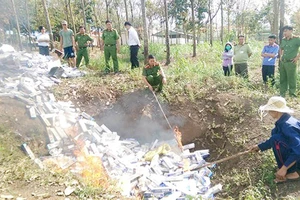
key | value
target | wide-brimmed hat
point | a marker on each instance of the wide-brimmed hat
(278, 104)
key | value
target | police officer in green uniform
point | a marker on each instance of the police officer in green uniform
(82, 40)
(153, 75)
(288, 62)
(110, 42)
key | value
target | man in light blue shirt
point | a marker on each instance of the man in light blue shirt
(269, 54)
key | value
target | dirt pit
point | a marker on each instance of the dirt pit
(223, 123)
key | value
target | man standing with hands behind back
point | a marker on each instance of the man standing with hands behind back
(111, 45)
(289, 56)
(82, 40)
(134, 44)
(242, 53)
(67, 42)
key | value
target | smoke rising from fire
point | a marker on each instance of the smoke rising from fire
(137, 115)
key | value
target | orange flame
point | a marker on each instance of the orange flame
(93, 173)
(178, 137)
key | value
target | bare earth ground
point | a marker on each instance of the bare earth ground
(225, 123)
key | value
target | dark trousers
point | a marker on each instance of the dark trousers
(133, 56)
(282, 152)
(44, 50)
(227, 70)
(268, 72)
(241, 69)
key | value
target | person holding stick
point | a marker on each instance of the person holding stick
(153, 75)
(284, 140)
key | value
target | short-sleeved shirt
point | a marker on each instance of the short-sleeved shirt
(110, 36)
(67, 37)
(272, 49)
(44, 37)
(147, 71)
(241, 53)
(290, 47)
(82, 39)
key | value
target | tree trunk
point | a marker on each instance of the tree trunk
(48, 23)
(210, 22)
(131, 10)
(67, 11)
(84, 16)
(282, 13)
(222, 23)
(18, 26)
(275, 17)
(95, 16)
(167, 33)
(228, 20)
(145, 31)
(210, 31)
(119, 24)
(126, 10)
(194, 28)
(72, 17)
(28, 26)
(107, 9)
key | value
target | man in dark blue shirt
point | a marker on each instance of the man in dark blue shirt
(284, 140)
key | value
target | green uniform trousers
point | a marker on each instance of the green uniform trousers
(155, 81)
(288, 78)
(241, 69)
(82, 52)
(111, 51)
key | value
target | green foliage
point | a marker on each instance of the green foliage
(179, 11)
(295, 20)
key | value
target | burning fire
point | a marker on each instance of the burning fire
(92, 170)
(178, 137)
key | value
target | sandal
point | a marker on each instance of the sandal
(286, 180)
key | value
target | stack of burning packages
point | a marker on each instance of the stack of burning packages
(153, 170)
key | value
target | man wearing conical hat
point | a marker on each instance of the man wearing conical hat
(284, 140)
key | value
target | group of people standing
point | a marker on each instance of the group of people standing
(153, 74)
(285, 137)
(239, 54)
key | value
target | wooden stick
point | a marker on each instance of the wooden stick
(225, 159)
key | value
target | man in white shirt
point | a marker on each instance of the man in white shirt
(134, 44)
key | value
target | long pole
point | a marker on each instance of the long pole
(226, 159)
(162, 110)
(176, 135)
